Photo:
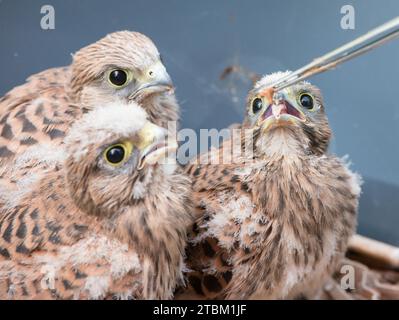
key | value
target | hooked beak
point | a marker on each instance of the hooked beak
(155, 80)
(155, 145)
(280, 112)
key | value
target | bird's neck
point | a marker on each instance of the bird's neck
(282, 143)
(156, 227)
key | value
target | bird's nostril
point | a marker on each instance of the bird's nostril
(278, 97)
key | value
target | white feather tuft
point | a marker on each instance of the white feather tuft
(231, 210)
(269, 79)
(95, 249)
(104, 122)
(41, 154)
(355, 179)
(97, 286)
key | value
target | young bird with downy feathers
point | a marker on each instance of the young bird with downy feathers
(108, 220)
(272, 223)
(123, 67)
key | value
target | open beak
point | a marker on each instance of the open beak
(155, 80)
(280, 112)
(155, 146)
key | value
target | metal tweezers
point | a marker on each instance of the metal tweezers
(372, 39)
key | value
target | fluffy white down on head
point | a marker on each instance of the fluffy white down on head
(269, 79)
(105, 122)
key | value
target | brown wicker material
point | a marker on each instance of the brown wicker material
(376, 270)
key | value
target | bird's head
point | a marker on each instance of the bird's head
(296, 111)
(116, 157)
(123, 66)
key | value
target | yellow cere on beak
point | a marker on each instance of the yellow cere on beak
(154, 145)
(156, 75)
(154, 79)
(147, 135)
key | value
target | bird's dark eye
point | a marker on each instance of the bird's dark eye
(115, 154)
(118, 153)
(306, 101)
(118, 77)
(257, 105)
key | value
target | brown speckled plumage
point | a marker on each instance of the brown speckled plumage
(84, 229)
(42, 110)
(274, 224)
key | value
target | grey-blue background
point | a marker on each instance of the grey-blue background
(198, 39)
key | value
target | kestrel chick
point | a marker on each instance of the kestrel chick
(121, 68)
(108, 222)
(273, 223)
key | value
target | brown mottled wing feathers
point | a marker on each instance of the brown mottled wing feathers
(35, 238)
(210, 181)
(37, 111)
